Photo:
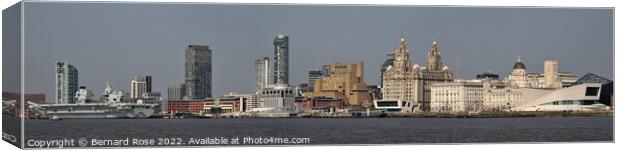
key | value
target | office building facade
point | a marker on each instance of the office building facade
(198, 71)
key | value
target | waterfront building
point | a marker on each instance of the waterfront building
(607, 89)
(311, 104)
(582, 97)
(550, 78)
(198, 71)
(66, 83)
(403, 106)
(313, 75)
(280, 59)
(176, 92)
(140, 85)
(224, 105)
(249, 101)
(195, 107)
(405, 82)
(346, 81)
(499, 96)
(278, 98)
(458, 96)
(519, 77)
(261, 72)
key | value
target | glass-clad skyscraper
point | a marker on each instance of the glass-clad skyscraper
(280, 59)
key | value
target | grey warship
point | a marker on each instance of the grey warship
(112, 107)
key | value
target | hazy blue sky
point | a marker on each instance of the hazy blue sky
(115, 42)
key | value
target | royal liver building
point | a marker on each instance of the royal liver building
(401, 81)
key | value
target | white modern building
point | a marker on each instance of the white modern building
(279, 98)
(582, 97)
(404, 106)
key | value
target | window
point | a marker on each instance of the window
(587, 102)
(387, 104)
(592, 91)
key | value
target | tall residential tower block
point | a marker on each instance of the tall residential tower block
(198, 71)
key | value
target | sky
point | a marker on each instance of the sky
(116, 41)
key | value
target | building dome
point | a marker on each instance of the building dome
(518, 65)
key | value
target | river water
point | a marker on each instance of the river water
(329, 131)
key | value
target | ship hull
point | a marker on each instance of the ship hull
(94, 110)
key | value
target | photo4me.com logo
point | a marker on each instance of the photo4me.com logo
(9, 137)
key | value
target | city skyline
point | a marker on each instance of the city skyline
(584, 32)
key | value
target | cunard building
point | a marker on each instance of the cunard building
(405, 87)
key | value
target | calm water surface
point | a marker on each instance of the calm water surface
(338, 131)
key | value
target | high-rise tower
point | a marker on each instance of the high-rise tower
(66, 83)
(198, 71)
(262, 72)
(280, 59)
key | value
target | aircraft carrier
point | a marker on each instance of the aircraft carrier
(112, 107)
